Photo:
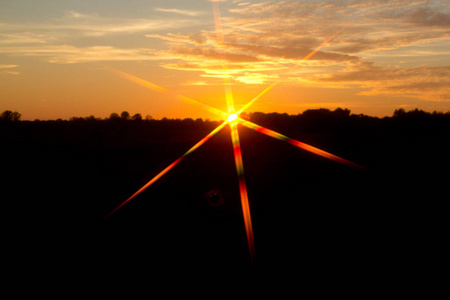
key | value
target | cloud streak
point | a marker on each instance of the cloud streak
(6, 69)
(430, 83)
(190, 13)
(64, 40)
(67, 54)
(92, 25)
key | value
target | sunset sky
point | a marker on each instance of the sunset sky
(57, 56)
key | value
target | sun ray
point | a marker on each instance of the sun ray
(229, 96)
(243, 189)
(300, 145)
(218, 22)
(167, 169)
(256, 98)
(232, 117)
(220, 41)
(311, 54)
(322, 45)
(165, 91)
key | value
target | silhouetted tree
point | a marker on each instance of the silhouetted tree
(341, 113)
(91, 118)
(9, 116)
(316, 114)
(417, 114)
(77, 119)
(114, 116)
(125, 115)
(257, 117)
(137, 117)
(16, 116)
(398, 113)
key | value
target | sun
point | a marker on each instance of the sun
(232, 117)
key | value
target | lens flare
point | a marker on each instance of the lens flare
(250, 103)
(162, 90)
(232, 117)
(311, 54)
(229, 95)
(322, 45)
(167, 169)
(218, 22)
(300, 145)
(232, 120)
(243, 190)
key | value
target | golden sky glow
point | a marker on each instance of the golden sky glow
(56, 56)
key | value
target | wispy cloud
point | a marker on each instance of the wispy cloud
(7, 69)
(59, 40)
(184, 12)
(67, 54)
(425, 82)
(8, 66)
(91, 25)
(108, 27)
(23, 38)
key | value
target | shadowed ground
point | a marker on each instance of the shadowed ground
(309, 214)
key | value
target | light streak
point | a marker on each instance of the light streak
(229, 96)
(167, 169)
(232, 117)
(322, 45)
(218, 22)
(220, 41)
(165, 91)
(311, 54)
(299, 144)
(256, 98)
(243, 190)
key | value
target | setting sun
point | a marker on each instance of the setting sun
(232, 117)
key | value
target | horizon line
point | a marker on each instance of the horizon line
(148, 117)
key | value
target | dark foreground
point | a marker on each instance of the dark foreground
(310, 216)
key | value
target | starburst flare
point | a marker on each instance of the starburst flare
(232, 119)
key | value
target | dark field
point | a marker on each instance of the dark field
(310, 215)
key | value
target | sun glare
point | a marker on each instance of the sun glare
(232, 121)
(232, 117)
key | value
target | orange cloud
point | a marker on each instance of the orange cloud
(424, 82)
(270, 38)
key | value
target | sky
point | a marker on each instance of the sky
(59, 58)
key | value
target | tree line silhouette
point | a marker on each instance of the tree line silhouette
(9, 116)
(321, 117)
